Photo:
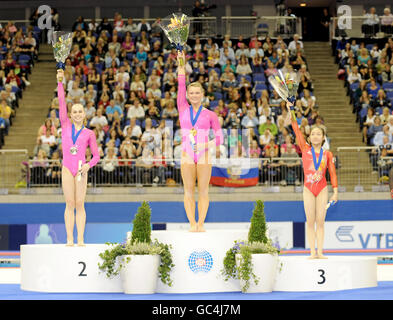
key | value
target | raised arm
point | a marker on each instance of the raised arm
(299, 136)
(63, 114)
(182, 103)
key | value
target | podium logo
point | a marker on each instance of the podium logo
(200, 261)
(343, 234)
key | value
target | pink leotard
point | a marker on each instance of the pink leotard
(85, 139)
(207, 120)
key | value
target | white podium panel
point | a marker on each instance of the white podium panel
(198, 259)
(58, 268)
(335, 273)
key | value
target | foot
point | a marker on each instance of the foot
(321, 256)
(201, 228)
(81, 244)
(312, 256)
(70, 244)
(194, 228)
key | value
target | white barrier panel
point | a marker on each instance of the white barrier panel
(58, 268)
(335, 273)
(358, 235)
(198, 259)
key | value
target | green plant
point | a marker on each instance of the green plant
(257, 242)
(257, 231)
(141, 232)
(139, 244)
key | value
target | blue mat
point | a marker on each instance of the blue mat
(384, 291)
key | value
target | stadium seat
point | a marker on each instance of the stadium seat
(387, 86)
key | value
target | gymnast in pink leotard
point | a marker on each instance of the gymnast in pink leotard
(196, 123)
(75, 139)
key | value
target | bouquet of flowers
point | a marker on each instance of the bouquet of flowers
(285, 85)
(176, 28)
(61, 42)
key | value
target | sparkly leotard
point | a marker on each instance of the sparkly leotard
(315, 180)
(207, 120)
(85, 139)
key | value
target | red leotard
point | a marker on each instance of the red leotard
(310, 174)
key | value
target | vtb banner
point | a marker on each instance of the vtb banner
(231, 172)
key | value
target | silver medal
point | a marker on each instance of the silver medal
(73, 150)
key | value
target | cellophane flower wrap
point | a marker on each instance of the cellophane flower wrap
(62, 43)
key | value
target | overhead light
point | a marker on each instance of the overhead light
(303, 4)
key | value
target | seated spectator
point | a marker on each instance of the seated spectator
(250, 120)
(48, 141)
(292, 45)
(271, 146)
(47, 126)
(243, 66)
(257, 50)
(169, 111)
(6, 112)
(111, 110)
(98, 119)
(367, 122)
(373, 129)
(137, 84)
(379, 137)
(373, 88)
(385, 115)
(135, 111)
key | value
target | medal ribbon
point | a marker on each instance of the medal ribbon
(194, 120)
(314, 158)
(75, 137)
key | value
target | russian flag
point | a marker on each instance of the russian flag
(231, 172)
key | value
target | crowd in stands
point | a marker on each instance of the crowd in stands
(368, 75)
(18, 50)
(125, 74)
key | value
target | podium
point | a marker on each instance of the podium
(198, 259)
(335, 273)
(58, 268)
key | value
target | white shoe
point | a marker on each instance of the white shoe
(27, 83)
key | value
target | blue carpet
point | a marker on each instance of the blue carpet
(384, 291)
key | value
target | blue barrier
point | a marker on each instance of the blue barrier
(112, 212)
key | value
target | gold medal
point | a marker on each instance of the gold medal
(193, 132)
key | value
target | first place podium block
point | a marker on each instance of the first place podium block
(198, 259)
(58, 268)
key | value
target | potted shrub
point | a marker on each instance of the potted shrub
(139, 261)
(255, 259)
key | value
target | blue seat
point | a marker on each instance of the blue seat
(389, 95)
(387, 86)
(260, 87)
(217, 95)
(259, 77)
(213, 104)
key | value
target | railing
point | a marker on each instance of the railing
(361, 168)
(272, 26)
(13, 168)
(134, 173)
(358, 27)
(235, 26)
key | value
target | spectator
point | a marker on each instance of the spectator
(373, 129)
(370, 24)
(379, 137)
(367, 122)
(290, 167)
(243, 66)
(5, 113)
(250, 120)
(99, 119)
(135, 111)
(48, 141)
(292, 45)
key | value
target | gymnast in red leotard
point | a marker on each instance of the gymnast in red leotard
(315, 191)
(195, 122)
(75, 139)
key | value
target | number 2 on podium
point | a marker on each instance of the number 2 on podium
(82, 274)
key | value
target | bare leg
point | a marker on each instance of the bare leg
(80, 191)
(309, 208)
(320, 211)
(188, 173)
(69, 195)
(204, 171)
